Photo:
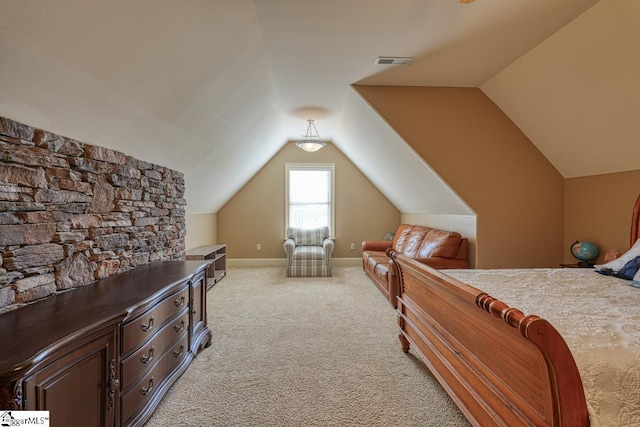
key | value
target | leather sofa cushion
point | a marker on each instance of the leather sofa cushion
(376, 258)
(401, 238)
(417, 241)
(439, 243)
(414, 241)
(382, 272)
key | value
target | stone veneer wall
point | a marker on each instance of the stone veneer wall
(72, 213)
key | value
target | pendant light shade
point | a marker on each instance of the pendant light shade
(311, 141)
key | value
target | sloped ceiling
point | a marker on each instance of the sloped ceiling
(214, 88)
(577, 94)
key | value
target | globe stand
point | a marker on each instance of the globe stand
(585, 264)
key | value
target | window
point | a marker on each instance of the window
(309, 195)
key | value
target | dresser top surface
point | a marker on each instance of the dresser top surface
(27, 331)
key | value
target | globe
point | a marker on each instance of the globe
(586, 252)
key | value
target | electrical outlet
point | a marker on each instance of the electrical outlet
(353, 246)
(258, 247)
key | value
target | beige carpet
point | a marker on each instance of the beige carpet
(304, 352)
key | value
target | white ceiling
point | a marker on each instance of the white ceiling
(214, 88)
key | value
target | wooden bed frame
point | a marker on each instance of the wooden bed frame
(499, 366)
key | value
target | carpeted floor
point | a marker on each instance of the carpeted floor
(304, 352)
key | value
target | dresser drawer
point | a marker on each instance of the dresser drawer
(135, 365)
(143, 392)
(139, 330)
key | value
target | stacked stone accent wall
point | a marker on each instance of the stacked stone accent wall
(72, 213)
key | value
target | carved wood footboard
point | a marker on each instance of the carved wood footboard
(499, 366)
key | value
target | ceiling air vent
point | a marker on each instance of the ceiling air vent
(391, 60)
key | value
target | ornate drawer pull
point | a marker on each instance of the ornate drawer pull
(179, 328)
(179, 303)
(145, 358)
(146, 390)
(146, 327)
(177, 353)
(114, 383)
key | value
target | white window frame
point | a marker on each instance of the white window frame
(311, 166)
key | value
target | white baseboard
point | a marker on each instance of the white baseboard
(346, 261)
(282, 262)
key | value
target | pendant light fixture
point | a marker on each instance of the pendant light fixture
(311, 141)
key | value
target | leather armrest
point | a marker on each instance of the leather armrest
(376, 245)
(463, 250)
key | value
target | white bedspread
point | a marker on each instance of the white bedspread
(599, 318)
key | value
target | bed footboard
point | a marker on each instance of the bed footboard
(498, 365)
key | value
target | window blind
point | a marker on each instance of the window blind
(310, 196)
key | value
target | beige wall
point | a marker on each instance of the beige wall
(598, 209)
(201, 230)
(256, 213)
(528, 215)
(516, 193)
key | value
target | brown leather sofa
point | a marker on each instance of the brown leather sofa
(436, 248)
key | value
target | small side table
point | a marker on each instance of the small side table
(575, 266)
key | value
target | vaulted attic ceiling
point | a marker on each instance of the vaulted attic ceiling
(214, 88)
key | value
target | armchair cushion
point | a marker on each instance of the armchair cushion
(308, 253)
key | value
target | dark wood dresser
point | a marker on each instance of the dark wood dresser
(105, 354)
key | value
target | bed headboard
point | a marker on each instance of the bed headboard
(635, 223)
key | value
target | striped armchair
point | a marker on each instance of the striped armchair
(308, 252)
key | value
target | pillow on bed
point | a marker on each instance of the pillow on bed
(630, 269)
(618, 263)
(627, 272)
